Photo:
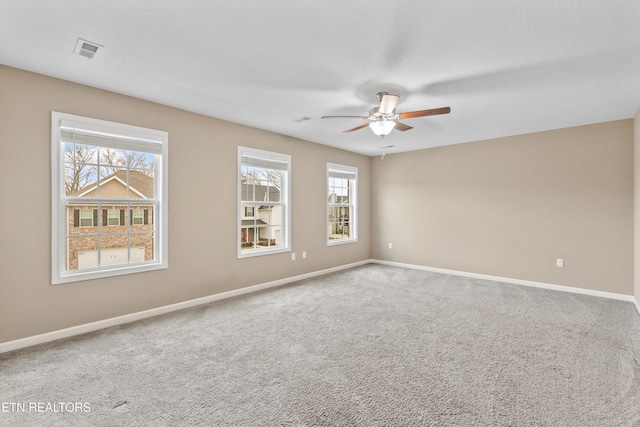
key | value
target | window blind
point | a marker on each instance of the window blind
(264, 163)
(69, 133)
(333, 173)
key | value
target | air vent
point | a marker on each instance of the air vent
(301, 119)
(86, 48)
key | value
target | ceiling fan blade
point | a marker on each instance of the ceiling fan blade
(388, 103)
(344, 117)
(356, 128)
(402, 127)
(422, 113)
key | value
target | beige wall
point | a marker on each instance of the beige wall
(505, 207)
(509, 207)
(202, 209)
(636, 189)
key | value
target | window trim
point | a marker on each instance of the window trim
(285, 199)
(353, 218)
(137, 135)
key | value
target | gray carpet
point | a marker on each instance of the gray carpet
(370, 346)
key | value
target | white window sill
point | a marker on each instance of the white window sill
(80, 275)
(259, 252)
(341, 242)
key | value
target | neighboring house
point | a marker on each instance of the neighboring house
(126, 229)
(261, 220)
(338, 216)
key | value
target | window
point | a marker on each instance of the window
(137, 216)
(113, 216)
(86, 217)
(263, 202)
(249, 212)
(341, 204)
(106, 177)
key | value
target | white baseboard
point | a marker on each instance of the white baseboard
(637, 304)
(610, 295)
(127, 318)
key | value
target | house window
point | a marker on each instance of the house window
(113, 216)
(106, 177)
(86, 217)
(263, 202)
(249, 212)
(342, 203)
(137, 216)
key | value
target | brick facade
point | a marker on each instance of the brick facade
(111, 236)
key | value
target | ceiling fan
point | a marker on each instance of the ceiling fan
(384, 119)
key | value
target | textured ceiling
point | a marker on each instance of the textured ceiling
(505, 67)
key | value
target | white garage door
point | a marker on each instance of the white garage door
(115, 256)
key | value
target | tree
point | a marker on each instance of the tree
(266, 177)
(115, 160)
(77, 172)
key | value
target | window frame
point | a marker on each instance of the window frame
(285, 202)
(59, 199)
(353, 204)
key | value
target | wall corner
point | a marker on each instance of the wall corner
(636, 208)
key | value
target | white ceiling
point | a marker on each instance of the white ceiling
(505, 67)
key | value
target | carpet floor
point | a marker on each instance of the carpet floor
(370, 346)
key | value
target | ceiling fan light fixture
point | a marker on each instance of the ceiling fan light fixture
(382, 127)
(384, 118)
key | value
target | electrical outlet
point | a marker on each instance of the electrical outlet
(559, 262)
(293, 256)
(304, 254)
(390, 245)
